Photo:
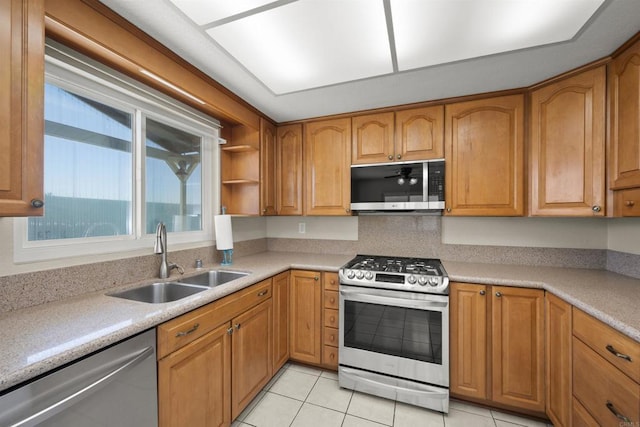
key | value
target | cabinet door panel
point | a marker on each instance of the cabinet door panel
(306, 310)
(624, 95)
(372, 138)
(420, 133)
(251, 352)
(194, 382)
(468, 305)
(567, 146)
(267, 168)
(280, 320)
(289, 170)
(558, 360)
(327, 159)
(518, 347)
(485, 158)
(21, 107)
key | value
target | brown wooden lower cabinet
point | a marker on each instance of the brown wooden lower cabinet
(330, 337)
(497, 345)
(558, 351)
(280, 320)
(306, 316)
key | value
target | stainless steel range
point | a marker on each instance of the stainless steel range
(394, 329)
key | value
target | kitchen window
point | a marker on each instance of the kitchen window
(118, 158)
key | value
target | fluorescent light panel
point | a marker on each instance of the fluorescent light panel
(205, 11)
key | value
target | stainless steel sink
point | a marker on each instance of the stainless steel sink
(213, 278)
(158, 293)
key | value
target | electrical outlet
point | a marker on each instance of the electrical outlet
(302, 227)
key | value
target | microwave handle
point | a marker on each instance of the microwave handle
(398, 301)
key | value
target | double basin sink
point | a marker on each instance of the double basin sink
(157, 293)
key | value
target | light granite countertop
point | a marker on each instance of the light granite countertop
(40, 338)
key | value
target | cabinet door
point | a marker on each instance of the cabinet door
(280, 320)
(420, 133)
(267, 168)
(289, 170)
(558, 360)
(194, 382)
(21, 107)
(468, 331)
(251, 355)
(485, 157)
(305, 320)
(567, 146)
(517, 344)
(327, 160)
(372, 138)
(624, 96)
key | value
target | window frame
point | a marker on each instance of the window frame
(71, 71)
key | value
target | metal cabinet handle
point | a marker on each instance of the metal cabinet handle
(482, 292)
(498, 294)
(229, 331)
(37, 203)
(316, 278)
(596, 208)
(390, 157)
(399, 156)
(616, 413)
(630, 203)
(448, 209)
(237, 325)
(190, 331)
(613, 351)
(264, 210)
(262, 293)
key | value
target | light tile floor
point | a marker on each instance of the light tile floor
(301, 396)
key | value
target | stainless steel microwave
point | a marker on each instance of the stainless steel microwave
(388, 187)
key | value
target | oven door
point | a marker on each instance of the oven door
(402, 334)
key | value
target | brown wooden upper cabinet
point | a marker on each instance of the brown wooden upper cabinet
(484, 153)
(414, 134)
(289, 170)
(21, 107)
(624, 116)
(567, 157)
(267, 168)
(327, 160)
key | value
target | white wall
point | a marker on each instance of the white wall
(624, 235)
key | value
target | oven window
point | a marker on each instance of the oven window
(396, 331)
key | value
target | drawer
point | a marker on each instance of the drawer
(606, 341)
(331, 299)
(331, 318)
(582, 417)
(330, 356)
(182, 330)
(597, 384)
(629, 202)
(330, 337)
(330, 281)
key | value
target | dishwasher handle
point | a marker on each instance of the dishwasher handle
(73, 398)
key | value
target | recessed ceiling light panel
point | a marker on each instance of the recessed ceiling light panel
(205, 11)
(308, 44)
(440, 31)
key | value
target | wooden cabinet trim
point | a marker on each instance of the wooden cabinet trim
(558, 360)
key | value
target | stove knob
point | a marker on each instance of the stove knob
(411, 279)
(351, 274)
(359, 275)
(434, 281)
(422, 280)
(368, 275)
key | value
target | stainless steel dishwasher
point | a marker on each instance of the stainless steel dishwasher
(116, 386)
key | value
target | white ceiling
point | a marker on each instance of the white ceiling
(295, 59)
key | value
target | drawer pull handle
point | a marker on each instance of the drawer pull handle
(190, 331)
(630, 203)
(262, 293)
(616, 413)
(615, 353)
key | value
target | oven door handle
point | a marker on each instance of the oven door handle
(387, 299)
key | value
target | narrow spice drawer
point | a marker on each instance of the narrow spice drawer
(331, 299)
(331, 318)
(330, 356)
(629, 202)
(330, 337)
(605, 392)
(330, 281)
(186, 328)
(620, 350)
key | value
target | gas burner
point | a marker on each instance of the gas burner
(424, 275)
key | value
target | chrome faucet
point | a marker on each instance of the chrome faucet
(161, 248)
